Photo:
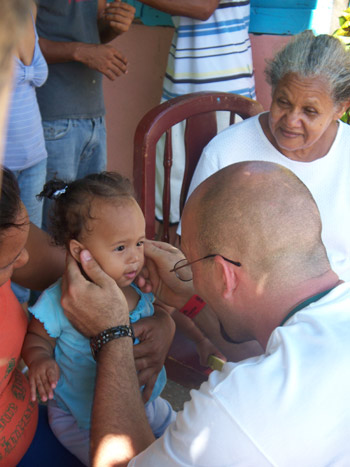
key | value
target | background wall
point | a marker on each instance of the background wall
(128, 98)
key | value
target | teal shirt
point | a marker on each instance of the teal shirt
(75, 389)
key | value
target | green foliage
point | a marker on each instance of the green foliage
(343, 34)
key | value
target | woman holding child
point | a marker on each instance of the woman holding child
(19, 425)
(18, 414)
(20, 420)
(310, 81)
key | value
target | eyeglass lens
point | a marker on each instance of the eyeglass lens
(183, 270)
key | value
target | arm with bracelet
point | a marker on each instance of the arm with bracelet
(98, 309)
(116, 332)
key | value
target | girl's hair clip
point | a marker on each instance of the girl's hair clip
(60, 192)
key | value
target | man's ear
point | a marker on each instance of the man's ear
(75, 248)
(227, 275)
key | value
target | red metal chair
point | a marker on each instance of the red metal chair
(198, 109)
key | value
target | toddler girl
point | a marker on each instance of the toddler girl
(98, 213)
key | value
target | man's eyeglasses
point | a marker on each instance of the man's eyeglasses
(183, 269)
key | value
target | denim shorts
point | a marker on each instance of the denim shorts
(31, 182)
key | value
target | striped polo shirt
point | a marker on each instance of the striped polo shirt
(211, 55)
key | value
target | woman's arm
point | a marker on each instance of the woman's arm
(46, 261)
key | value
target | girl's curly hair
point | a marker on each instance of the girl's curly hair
(72, 201)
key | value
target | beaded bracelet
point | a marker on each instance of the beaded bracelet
(107, 335)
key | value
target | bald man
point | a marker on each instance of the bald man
(252, 239)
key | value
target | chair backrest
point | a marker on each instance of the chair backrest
(198, 109)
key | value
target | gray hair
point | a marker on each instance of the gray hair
(308, 55)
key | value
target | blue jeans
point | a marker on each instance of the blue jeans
(75, 148)
(31, 182)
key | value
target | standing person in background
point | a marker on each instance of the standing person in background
(12, 21)
(14, 14)
(73, 38)
(210, 51)
(25, 152)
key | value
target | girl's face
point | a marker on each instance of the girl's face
(115, 239)
(13, 254)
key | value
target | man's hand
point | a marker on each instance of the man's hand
(156, 335)
(102, 57)
(91, 306)
(119, 16)
(160, 259)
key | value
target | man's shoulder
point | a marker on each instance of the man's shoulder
(205, 419)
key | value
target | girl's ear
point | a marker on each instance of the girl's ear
(228, 276)
(75, 248)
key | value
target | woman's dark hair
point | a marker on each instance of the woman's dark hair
(71, 209)
(10, 202)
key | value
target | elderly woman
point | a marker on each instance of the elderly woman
(310, 81)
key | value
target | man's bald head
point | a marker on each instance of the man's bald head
(262, 215)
